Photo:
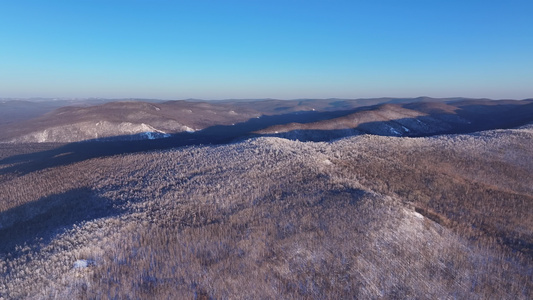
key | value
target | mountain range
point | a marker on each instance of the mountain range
(300, 119)
(384, 198)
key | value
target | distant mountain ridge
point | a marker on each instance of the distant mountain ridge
(413, 119)
(303, 119)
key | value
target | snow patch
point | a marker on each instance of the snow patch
(417, 215)
(83, 263)
(414, 214)
(42, 137)
(151, 135)
(394, 131)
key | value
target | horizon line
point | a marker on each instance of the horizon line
(247, 99)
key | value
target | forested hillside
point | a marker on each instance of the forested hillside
(362, 217)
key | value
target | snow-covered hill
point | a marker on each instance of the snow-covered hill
(361, 217)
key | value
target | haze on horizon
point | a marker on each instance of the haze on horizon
(266, 49)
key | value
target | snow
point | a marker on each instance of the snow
(82, 263)
(189, 129)
(149, 135)
(394, 131)
(417, 215)
(405, 129)
(42, 137)
(155, 135)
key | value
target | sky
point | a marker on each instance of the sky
(289, 49)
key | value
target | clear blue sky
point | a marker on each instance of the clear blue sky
(266, 49)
